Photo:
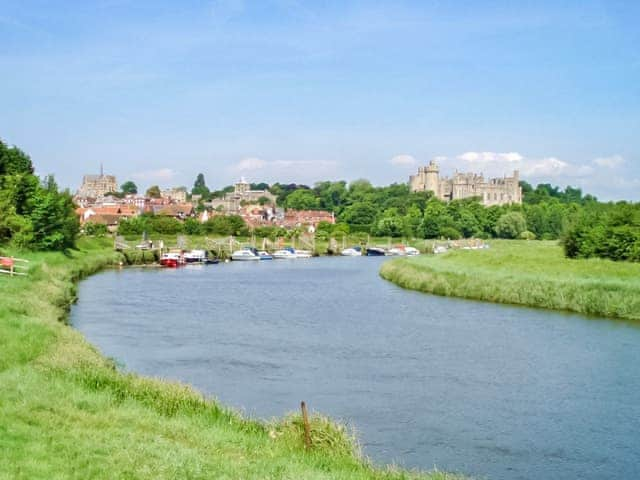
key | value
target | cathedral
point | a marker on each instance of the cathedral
(494, 191)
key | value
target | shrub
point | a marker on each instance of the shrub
(511, 225)
(450, 233)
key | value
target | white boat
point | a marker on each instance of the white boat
(303, 253)
(440, 249)
(411, 251)
(351, 252)
(264, 255)
(285, 253)
(195, 256)
(397, 251)
(245, 254)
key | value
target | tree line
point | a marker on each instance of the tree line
(34, 213)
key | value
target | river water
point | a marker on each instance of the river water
(490, 390)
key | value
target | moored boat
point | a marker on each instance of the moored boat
(375, 252)
(199, 256)
(399, 250)
(264, 255)
(246, 254)
(171, 259)
(411, 251)
(287, 253)
(352, 252)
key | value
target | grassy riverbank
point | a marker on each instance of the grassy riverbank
(525, 273)
(67, 412)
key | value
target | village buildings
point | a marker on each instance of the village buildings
(492, 191)
(256, 207)
(178, 195)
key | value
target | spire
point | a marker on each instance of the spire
(101, 170)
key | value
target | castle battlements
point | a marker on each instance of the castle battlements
(494, 191)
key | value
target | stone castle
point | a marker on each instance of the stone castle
(494, 191)
(242, 194)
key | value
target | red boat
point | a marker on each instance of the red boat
(171, 260)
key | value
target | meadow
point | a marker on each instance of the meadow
(531, 273)
(68, 412)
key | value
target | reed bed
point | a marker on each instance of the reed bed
(530, 273)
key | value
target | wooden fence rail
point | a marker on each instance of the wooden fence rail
(9, 266)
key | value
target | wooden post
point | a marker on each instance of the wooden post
(307, 427)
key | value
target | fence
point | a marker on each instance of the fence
(9, 266)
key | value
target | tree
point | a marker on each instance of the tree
(129, 188)
(14, 161)
(360, 216)
(302, 200)
(55, 225)
(33, 214)
(511, 225)
(226, 225)
(153, 192)
(200, 187)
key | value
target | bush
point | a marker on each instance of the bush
(511, 225)
(95, 229)
(450, 233)
(527, 235)
(226, 225)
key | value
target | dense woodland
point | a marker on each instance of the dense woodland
(35, 214)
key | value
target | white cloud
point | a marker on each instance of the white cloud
(250, 164)
(160, 175)
(403, 161)
(609, 162)
(546, 167)
(488, 157)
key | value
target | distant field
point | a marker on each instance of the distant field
(525, 273)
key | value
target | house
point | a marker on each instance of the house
(175, 210)
(109, 215)
(95, 213)
(177, 195)
(307, 218)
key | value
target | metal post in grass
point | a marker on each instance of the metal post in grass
(307, 427)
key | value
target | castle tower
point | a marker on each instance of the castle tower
(432, 180)
(242, 187)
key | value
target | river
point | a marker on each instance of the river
(489, 390)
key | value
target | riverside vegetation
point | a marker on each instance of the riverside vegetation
(530, 273)
(68, 412)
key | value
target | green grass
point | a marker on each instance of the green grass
(525, 273)
(67, 412)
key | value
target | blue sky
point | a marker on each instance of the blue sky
(305, 91)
